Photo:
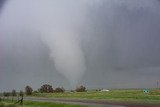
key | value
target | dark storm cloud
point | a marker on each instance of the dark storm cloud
(123, 46)
(119, 39)
(129, 37)
(2, 3)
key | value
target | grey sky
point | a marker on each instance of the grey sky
(109, 43)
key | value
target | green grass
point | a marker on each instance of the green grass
(7, 105)
(38, 104)
(115, 95)
(137, 96)
(47, 104)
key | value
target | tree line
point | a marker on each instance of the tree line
(46, 88)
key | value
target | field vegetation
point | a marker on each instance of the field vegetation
(38, 104)
(121, 95)
(112, 95)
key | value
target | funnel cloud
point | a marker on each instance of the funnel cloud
(67, 55)
(96, 43)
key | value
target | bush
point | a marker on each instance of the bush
(35, 91)
(59, 90)
(81, 89)
(6, 94)
(72, 91)
(14, 93)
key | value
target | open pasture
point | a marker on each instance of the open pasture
(112, 95)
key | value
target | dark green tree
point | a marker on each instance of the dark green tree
(46, 88)
(28, 90)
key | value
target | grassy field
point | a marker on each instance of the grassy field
(114, 95)
(38, 104)
(135, 96)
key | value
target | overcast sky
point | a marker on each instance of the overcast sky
(96, 43)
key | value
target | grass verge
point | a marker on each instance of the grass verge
(39, 104)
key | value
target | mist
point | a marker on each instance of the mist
(97, 43)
